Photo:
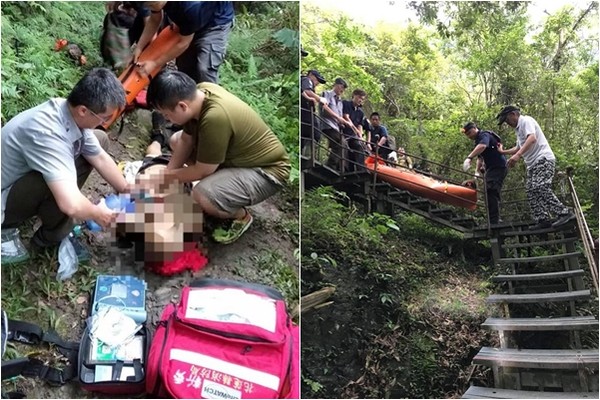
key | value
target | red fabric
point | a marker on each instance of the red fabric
(294, 392)
(140, 99)
(192, 357)
(192, 259)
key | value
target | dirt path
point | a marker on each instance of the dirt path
(265, 254)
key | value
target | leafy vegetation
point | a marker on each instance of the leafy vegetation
(464, 61)
(405, 317)
(407, 283)
(261, 67)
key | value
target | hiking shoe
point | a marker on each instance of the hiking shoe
(237, 229)
(563, 219)
(13, 249)
(543, 224)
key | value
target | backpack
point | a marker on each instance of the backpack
(495, 136)
(225, 339)
(115, 46)
(30, 366)
(391, 142)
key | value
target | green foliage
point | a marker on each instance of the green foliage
(275, 271)
(397, 298)
(464, 62)
(315, 386)
(262, 69)
(261, 65)
(32, 72)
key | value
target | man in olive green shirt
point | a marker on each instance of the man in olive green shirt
(225, 145)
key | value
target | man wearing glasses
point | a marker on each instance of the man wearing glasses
(47, 154)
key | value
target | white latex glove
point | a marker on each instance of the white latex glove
(466, 164)
(323, 101)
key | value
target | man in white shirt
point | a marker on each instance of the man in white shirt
(47, 154)
(539, 159)
(331, 121)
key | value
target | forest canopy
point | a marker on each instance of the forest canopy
(463, 61)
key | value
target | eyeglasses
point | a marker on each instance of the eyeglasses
(103, 120)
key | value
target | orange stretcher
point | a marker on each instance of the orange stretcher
(423, 185)
(133, 82)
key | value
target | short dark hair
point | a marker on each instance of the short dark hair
(169, 88)
(98, 90)
(374, 113)
(359, 92)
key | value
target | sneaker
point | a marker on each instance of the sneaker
(237, 229)
(563, 219)
(13, 249)
(543, 224)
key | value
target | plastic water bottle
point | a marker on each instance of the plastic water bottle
(114, 202)
(12, 245)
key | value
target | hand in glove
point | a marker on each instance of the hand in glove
(466, 164)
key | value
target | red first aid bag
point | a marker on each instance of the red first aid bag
(224, 340)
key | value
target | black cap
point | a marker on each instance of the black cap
(468, 125)
(317, 75)
(501, 117)
(303, 52)
(340, 81)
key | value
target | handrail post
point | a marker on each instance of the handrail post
(584, 231)
(487, 204)
(312, 138)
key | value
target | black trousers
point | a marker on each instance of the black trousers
(494, 179)
(356, 153)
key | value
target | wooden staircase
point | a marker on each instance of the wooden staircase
(540, 330)
(384, 198)
(541, 326)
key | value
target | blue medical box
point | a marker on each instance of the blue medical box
(125, 292)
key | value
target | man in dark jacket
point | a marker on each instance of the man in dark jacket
(494, 164)
(204, 28)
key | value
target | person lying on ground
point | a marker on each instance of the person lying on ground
(48, 152)
(227, 147)
(164, 225)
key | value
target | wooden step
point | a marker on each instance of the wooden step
(399, 193)
(542, 243)
(383, 185)
(539, 259)
(528, 232)
(538, 297)
(419, 203)
(533, 277)
(441, 212)
(478, 392)
(460, 220)
(541, 324)
(541, 359)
